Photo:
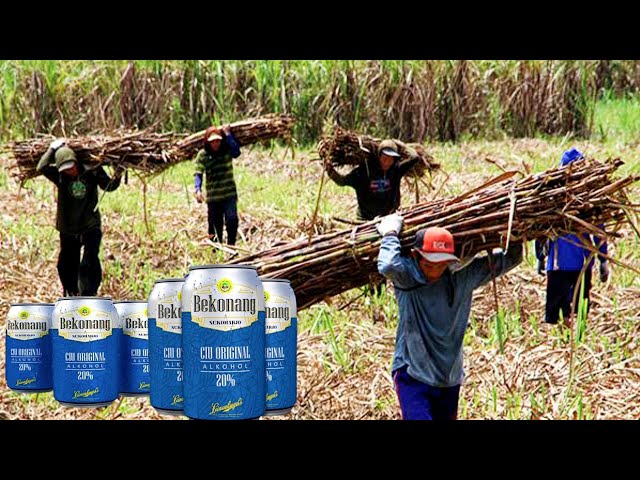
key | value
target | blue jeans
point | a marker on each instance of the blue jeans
(419, 401)
(220, 213)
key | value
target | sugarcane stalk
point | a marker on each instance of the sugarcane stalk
(149, 153)
(342, 147)
(547, 204)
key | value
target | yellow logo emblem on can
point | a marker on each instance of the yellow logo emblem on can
(225, 285)
(84, 311)
(23, 315)
(266, 296)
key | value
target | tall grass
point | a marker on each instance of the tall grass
(618, 76)
(618, 118)
(411, 99)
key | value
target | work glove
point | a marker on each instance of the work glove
(57, 143)
(390, 224)
(604, 272)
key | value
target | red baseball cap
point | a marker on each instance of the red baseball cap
(435, 244)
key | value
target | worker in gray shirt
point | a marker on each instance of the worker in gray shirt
(434, 303)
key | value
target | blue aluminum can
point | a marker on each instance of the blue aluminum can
(281, 346)
(28, 347)
(223, 339)
(134, 348)
(165, 346)
(85, 335)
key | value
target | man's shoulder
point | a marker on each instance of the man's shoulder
(570, 238)
(396, 169)
(469, 265)
(411, 268)
(90, 171)
(201, 153)
(357, 170)
(413, 278)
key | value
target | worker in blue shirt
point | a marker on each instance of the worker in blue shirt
(434, 303)
(565, 260)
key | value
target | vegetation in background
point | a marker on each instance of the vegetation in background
(414, 100)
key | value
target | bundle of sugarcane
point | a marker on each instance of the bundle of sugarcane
(150, 153)
(145, 151)
(502, 212)
(343, 147)
(246, 132)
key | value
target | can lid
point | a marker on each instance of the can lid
(84, 298)
(130, 301)
(200, 267)
(281, 280)
(167, 280)
(28, 304)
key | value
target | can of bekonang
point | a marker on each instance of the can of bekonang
(28, 347)
(223, 338)
(134, 348)
(85, 336)
(165, 346)
(281, 346)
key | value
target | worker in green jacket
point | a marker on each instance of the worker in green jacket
(77, 217)
(215, 162)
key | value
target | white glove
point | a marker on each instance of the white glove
(57, 143)
(390, 223)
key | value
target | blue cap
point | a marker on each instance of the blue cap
(571, 156)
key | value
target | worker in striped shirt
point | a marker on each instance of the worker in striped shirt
(215, 161)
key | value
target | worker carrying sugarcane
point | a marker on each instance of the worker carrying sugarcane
(377, 181)
(78, 217)
(434, 294)
(566, 258)
(377, 185)
(215, 161)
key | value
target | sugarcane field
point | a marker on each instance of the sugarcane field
(320, 240)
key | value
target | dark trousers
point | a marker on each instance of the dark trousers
(81, 277)
(560, 287)
(419, 401)
(375, 285)
(223, 212)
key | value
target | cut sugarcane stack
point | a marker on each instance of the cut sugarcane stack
(575, 198)
(342, 147)
(148, 152)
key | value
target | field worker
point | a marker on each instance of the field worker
(377, 186)
(215, 162)
(77, 217)
(434, 301)
(566, 258)
(377, 181)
